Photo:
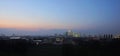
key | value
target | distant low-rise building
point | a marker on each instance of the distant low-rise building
(15, 37)
(76, 35)
(117, 36)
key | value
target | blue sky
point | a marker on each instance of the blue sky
(84, 15)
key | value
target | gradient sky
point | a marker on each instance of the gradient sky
(48, 16)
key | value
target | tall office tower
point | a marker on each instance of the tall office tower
(69, 33)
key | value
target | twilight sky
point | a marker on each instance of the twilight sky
(56, 16)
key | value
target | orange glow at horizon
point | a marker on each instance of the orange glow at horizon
(28, 24)
(21, 24)
(13, 24)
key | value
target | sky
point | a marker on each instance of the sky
(57, 16)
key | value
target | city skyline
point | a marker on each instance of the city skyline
(57, 16)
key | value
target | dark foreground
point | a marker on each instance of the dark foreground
(88, 48)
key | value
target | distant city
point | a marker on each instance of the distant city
(68, 37)
(59, 27)
(69, 42)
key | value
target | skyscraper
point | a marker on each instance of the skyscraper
(70, 33)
